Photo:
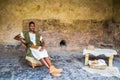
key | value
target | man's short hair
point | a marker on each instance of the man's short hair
(31, 23)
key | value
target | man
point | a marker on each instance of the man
(36, 48)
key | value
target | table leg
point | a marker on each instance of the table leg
(86, 58)
(110, 61)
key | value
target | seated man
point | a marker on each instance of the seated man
(35, 47)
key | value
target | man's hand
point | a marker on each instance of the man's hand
(18, 37)
(43, 45)
(42, 48)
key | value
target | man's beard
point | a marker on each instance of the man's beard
(32, 31)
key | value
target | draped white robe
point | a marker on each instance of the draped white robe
(36, 52)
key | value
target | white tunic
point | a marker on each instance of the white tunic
(36, 52)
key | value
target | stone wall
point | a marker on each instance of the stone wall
(13, 12)
(76, 34)
(116, 10)
(78, 22)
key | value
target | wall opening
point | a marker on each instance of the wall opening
(63, 43)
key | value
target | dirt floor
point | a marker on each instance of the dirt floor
(13, 66)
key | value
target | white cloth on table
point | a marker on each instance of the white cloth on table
(100, 62)
(98, 51)
(36, 52)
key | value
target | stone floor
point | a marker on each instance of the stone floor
(13, 66)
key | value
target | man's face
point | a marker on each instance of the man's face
(32, 27)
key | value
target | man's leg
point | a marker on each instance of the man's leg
(47, 59)
(52, 68)
(45, 63)
(53, 71)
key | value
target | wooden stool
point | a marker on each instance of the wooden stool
(33, 62)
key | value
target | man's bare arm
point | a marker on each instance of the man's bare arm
(19, 38)
(43, 45)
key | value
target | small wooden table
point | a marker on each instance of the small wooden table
(97, 51)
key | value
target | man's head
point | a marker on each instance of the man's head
(31, 26)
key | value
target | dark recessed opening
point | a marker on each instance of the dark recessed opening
(63, 43)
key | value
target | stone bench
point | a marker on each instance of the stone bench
(97, 51)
